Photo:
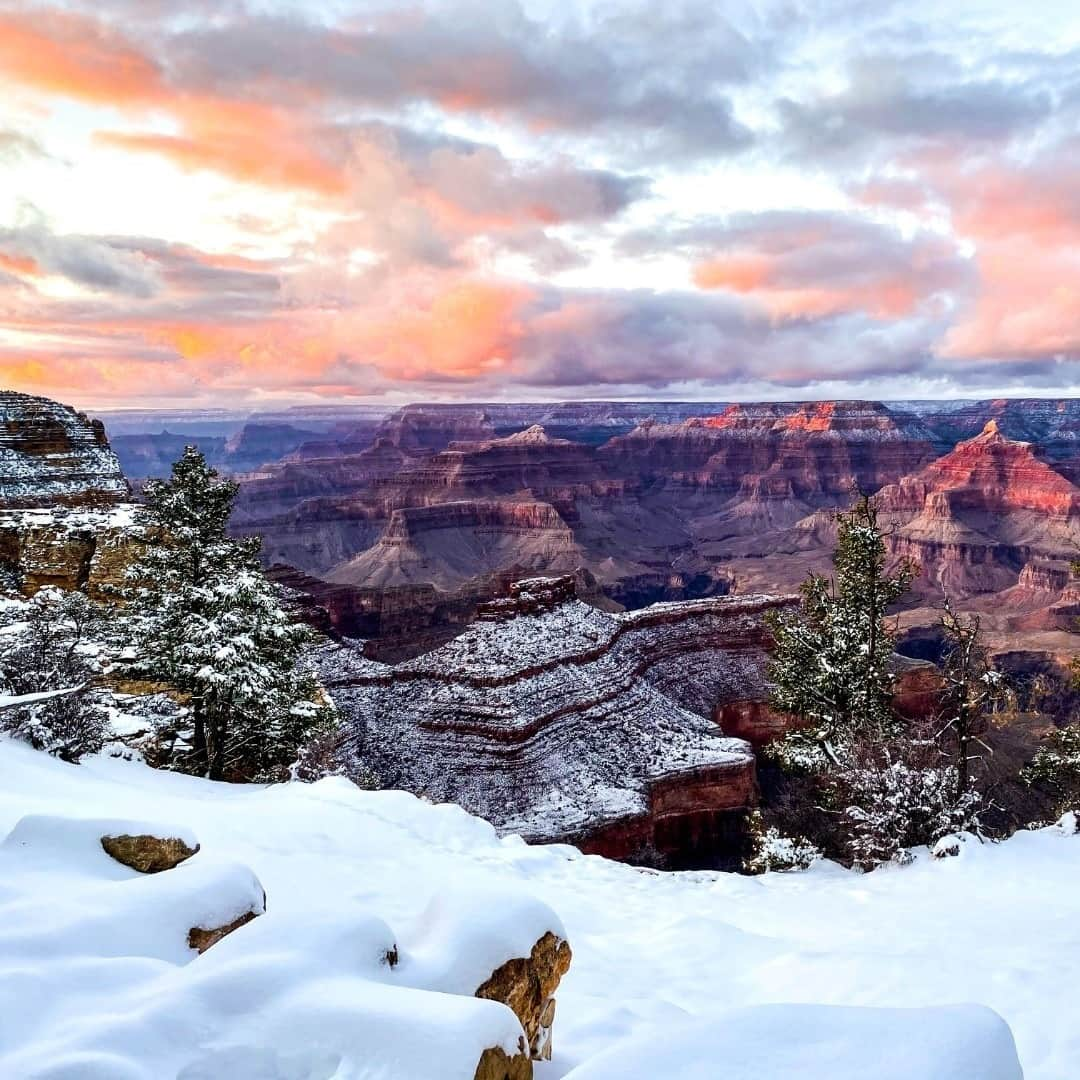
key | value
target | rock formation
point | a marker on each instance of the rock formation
(527, 985)
(975, 518)
(147, 853)
(52, 456)
(65, 518)
(450, 543)
(558, 721)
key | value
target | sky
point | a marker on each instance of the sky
(242, 204)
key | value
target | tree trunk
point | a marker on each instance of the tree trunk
(200, 761)
(217, 750)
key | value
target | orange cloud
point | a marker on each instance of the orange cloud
(885, 296)
(75, 56)
(79, 57)
(22, 265)
(1024, 225)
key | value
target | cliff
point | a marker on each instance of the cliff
(561, 722)
(53, 456)
(64, 520)
(975, 518)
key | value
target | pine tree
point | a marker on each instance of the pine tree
(1056, 767)
(831, 666)
(209, 624)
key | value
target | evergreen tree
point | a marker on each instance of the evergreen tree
(1056, 767)
(210, 625)
(831, 667)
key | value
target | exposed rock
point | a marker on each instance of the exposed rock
(86, 549)
(148, 854)
(528, 986)
(201, 938)
(52, 456)
(976, 517)
(496, 1064)
(573, 724)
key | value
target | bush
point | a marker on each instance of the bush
(772, 851)
(52, 654)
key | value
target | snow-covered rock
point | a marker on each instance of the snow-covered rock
(51, 455)
(561, 722)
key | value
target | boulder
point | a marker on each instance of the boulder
(201, 938)
(148, 854)
(527, 986)
(496, 1064)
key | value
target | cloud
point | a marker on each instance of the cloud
(18, 146)
(660, 74)
(813, 263)
(907, 100)
(35, 249)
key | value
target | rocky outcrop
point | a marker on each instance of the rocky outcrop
(83, 549)
(64, 520)
(147, 853)
(568, 723)
(450, 543)
(527, 985)
(53, 456)
(201, 938)
(497, 1064)
(976, 517)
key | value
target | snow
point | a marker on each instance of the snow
(18, 701)
(816, 1043)
(96, 980)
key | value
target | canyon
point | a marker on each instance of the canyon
(569, 636)
(434, 509)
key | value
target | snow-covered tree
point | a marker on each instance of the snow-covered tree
(1056, 767)
(898, 795)
(831, 666)
(878, 785)
(771, 850)
(209, 623)
(47, 667)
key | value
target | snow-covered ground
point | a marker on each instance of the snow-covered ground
(658, 958)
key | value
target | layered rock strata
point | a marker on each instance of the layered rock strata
(562, 722)
(976, 518)
(53, 456)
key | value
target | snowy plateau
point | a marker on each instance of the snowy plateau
(953, 968)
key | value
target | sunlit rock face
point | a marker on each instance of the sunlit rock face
(811, 453)
(53, 456)
(558, 721)
(990, 515)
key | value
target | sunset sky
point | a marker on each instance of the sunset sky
(211, 203)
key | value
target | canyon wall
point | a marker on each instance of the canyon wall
(558, 721)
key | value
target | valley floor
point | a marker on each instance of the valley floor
(999, 925)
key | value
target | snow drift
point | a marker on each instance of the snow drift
(383, 913)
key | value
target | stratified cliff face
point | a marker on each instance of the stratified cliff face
(976, 518)
(449, 543)
(662, 512)
(810, 452)
(63, 518)
(52, 456)
(561, 722)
